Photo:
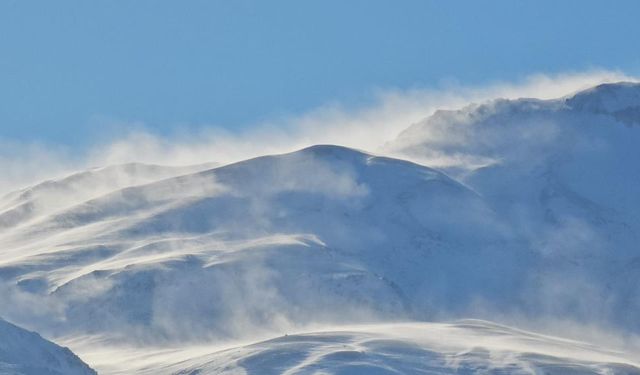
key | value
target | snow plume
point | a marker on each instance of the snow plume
(366, 127)
(480, 136)
(18, 305)
(22, 164)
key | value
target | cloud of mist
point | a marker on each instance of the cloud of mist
(367, 127)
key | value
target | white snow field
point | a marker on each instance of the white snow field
(467, 347)
(462, 347)
(26, 353)
(529, 212)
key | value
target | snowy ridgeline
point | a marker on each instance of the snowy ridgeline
(462, 347)
(415, 348)
(532, 210)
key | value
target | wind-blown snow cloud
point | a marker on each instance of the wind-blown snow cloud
(368, 128)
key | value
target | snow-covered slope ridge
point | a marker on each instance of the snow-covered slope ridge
(465, 347)
(47, 197)
(26, 353)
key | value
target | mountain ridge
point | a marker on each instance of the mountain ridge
(24, 352)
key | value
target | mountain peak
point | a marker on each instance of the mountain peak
(333, 151)
(609, 98)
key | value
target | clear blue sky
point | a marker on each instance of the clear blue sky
(68, 68)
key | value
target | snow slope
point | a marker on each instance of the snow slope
(26, 353)
(47, 197)
(467, 347)
(462, 347)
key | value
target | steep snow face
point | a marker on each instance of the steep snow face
(565, 174)
(326, 234)
(26, 353)
(463, 347)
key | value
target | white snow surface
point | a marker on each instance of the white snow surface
(26, 353)
(462, 347)
(532, 211)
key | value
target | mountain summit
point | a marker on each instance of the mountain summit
(620, 100)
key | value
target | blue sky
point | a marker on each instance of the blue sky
(71, 71)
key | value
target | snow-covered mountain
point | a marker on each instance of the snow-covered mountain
(566, 174)
(530, 209)
(26, 353)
